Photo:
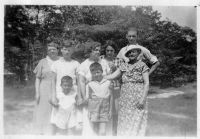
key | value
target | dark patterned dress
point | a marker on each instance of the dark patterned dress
(131, 120)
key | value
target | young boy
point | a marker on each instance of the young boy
(65, 111)
(99, 100)
(146, 54)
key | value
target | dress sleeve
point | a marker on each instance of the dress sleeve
(145, 68)
(38, 69)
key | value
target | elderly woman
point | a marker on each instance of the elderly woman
(85, 77)
(43, 89)
(133, 96)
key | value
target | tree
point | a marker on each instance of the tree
(29, 28)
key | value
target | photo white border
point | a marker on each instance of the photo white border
(95, 2)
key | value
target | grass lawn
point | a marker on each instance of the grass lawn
(172, 116)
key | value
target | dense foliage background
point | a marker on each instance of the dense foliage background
(29, 28)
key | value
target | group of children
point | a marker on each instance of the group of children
(99, 103)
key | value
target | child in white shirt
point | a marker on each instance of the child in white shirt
(65, 118)
(99, 99)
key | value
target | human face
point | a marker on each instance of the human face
(66, 87)
(133, 55)
(110, 51)
(52, 51)
(97, 75)
(132, 37)
(95, 53)
(67, 52)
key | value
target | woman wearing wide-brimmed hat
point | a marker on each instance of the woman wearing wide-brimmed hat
(132, 114)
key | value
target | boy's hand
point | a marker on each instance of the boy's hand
(54, 102)
(79, 101)
(84, 101)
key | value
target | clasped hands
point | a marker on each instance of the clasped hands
(140, 104)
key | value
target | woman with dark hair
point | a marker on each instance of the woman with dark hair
(43, 90)
(84, 77)
(110, 58)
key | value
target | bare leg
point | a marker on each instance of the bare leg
(102, 129)
(95, 127)
(52, 129)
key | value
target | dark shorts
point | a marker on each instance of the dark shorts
(98, 109)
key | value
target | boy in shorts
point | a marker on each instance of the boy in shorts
(99, 100)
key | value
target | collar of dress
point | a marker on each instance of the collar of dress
(101, 82)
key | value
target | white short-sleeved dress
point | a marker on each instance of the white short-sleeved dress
(66, 114)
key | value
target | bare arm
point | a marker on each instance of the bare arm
(37, 90)
(114, 75)
(154, 66)
(53, 96)
(82, 86)
(111, 104)
(146, 84)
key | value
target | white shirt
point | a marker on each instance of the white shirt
(99, 89)
(67, 101)
(62, 68)
(145, 53)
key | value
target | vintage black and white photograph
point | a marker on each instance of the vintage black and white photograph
(100, 70)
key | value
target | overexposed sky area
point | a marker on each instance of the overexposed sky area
(182, 15)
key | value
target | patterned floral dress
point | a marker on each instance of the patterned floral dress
(131, 120)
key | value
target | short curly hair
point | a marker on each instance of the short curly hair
(109, 43)
(89, 50)
(95, 66)
(67, 79)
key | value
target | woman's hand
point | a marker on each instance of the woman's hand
(140, 104)
(54, 101)
(105, 77)
(110, 115)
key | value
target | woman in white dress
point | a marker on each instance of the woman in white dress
(65, 66)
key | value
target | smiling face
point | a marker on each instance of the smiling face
(97, 75)
(52, 51)
(66, 87)
(95, 53)
(110, 52)
(132, 36)
(133, 54)
(67, 52)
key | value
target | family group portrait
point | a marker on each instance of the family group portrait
(86, 70)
